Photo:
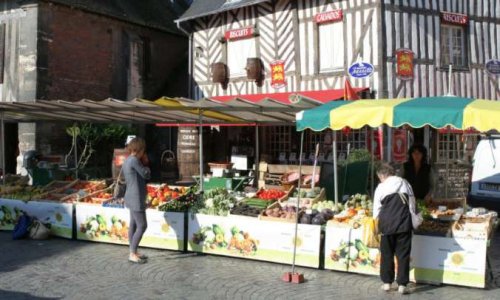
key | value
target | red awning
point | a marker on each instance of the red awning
(320, 96)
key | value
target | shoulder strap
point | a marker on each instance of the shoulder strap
(403, 198)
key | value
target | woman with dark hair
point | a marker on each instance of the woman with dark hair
(418, 172)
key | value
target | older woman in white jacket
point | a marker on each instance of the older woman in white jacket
(393, 202)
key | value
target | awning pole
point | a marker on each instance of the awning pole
(372, 171)
(335, 177)
(2, 132)
(257, 155)
(448, 139)
(200, 137)
(298, 203)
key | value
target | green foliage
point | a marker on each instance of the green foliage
(89, 138)
(357, 155)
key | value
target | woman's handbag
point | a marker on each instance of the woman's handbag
(416, 218)
(21, 229)
(38, 231)
(120, 187)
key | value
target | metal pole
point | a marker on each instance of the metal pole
(335, 173)
(447, 164)
(257, 155)
(298, 202)
(2, 132)
(200, 141)
(372, 183)
(76, 155)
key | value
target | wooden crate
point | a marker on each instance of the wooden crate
(263, 217)
(58, 186)
(304, 200)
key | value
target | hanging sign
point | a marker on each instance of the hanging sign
(361, 69)
(278, 74)
(376, 148)
(404, 64)
(329, 16)
(454, 18)
(399, 145)
(493, 67)
(238, 34)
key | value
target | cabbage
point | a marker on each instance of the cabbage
(209, 236)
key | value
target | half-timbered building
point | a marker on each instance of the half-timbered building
(243, 47)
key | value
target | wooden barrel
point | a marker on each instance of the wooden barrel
(188, 154)
(219, 72)
(254, 68)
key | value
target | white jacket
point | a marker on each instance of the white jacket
(391, 185)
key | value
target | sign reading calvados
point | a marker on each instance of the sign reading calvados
(361, 69)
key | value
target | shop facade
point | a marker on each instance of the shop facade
(250, 48)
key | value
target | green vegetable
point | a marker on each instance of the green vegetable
(114, 219)
(360, 246)
(217, 229)
(100, 220)
(234, 230)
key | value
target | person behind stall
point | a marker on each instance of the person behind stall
(136, 172)
(395, 226)
(418, 173)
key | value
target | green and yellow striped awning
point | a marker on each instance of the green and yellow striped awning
(437, 112)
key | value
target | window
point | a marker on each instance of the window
(456, 147)
(277, 139)
(331, 46)
(237, 53)
(453, 49)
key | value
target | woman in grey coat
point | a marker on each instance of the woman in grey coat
(136, 172)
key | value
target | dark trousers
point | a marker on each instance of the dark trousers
(138, 225)
(398, 244)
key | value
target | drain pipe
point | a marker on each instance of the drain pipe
(190, 63)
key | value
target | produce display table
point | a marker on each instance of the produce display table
(251, 238)
(110, 225)
(434, 259)
(58, 215)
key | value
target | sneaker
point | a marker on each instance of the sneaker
(386, 287)
(402, 289)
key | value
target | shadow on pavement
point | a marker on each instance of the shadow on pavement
(20, 296)
(19, 253)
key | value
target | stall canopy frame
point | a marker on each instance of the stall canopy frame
(169, 111)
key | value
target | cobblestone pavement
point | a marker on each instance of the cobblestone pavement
(66, 269)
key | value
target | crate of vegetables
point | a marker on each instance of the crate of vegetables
(58, 186)
(98, 197)
(89, 186)
(277, 213)
(308, 197)
(274, 194)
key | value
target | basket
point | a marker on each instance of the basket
(168, 165)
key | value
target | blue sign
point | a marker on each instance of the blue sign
(493, 67)
(361, 69)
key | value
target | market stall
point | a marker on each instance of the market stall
(451, 245)
(38, 202)
(256, 226)
(106, 220)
